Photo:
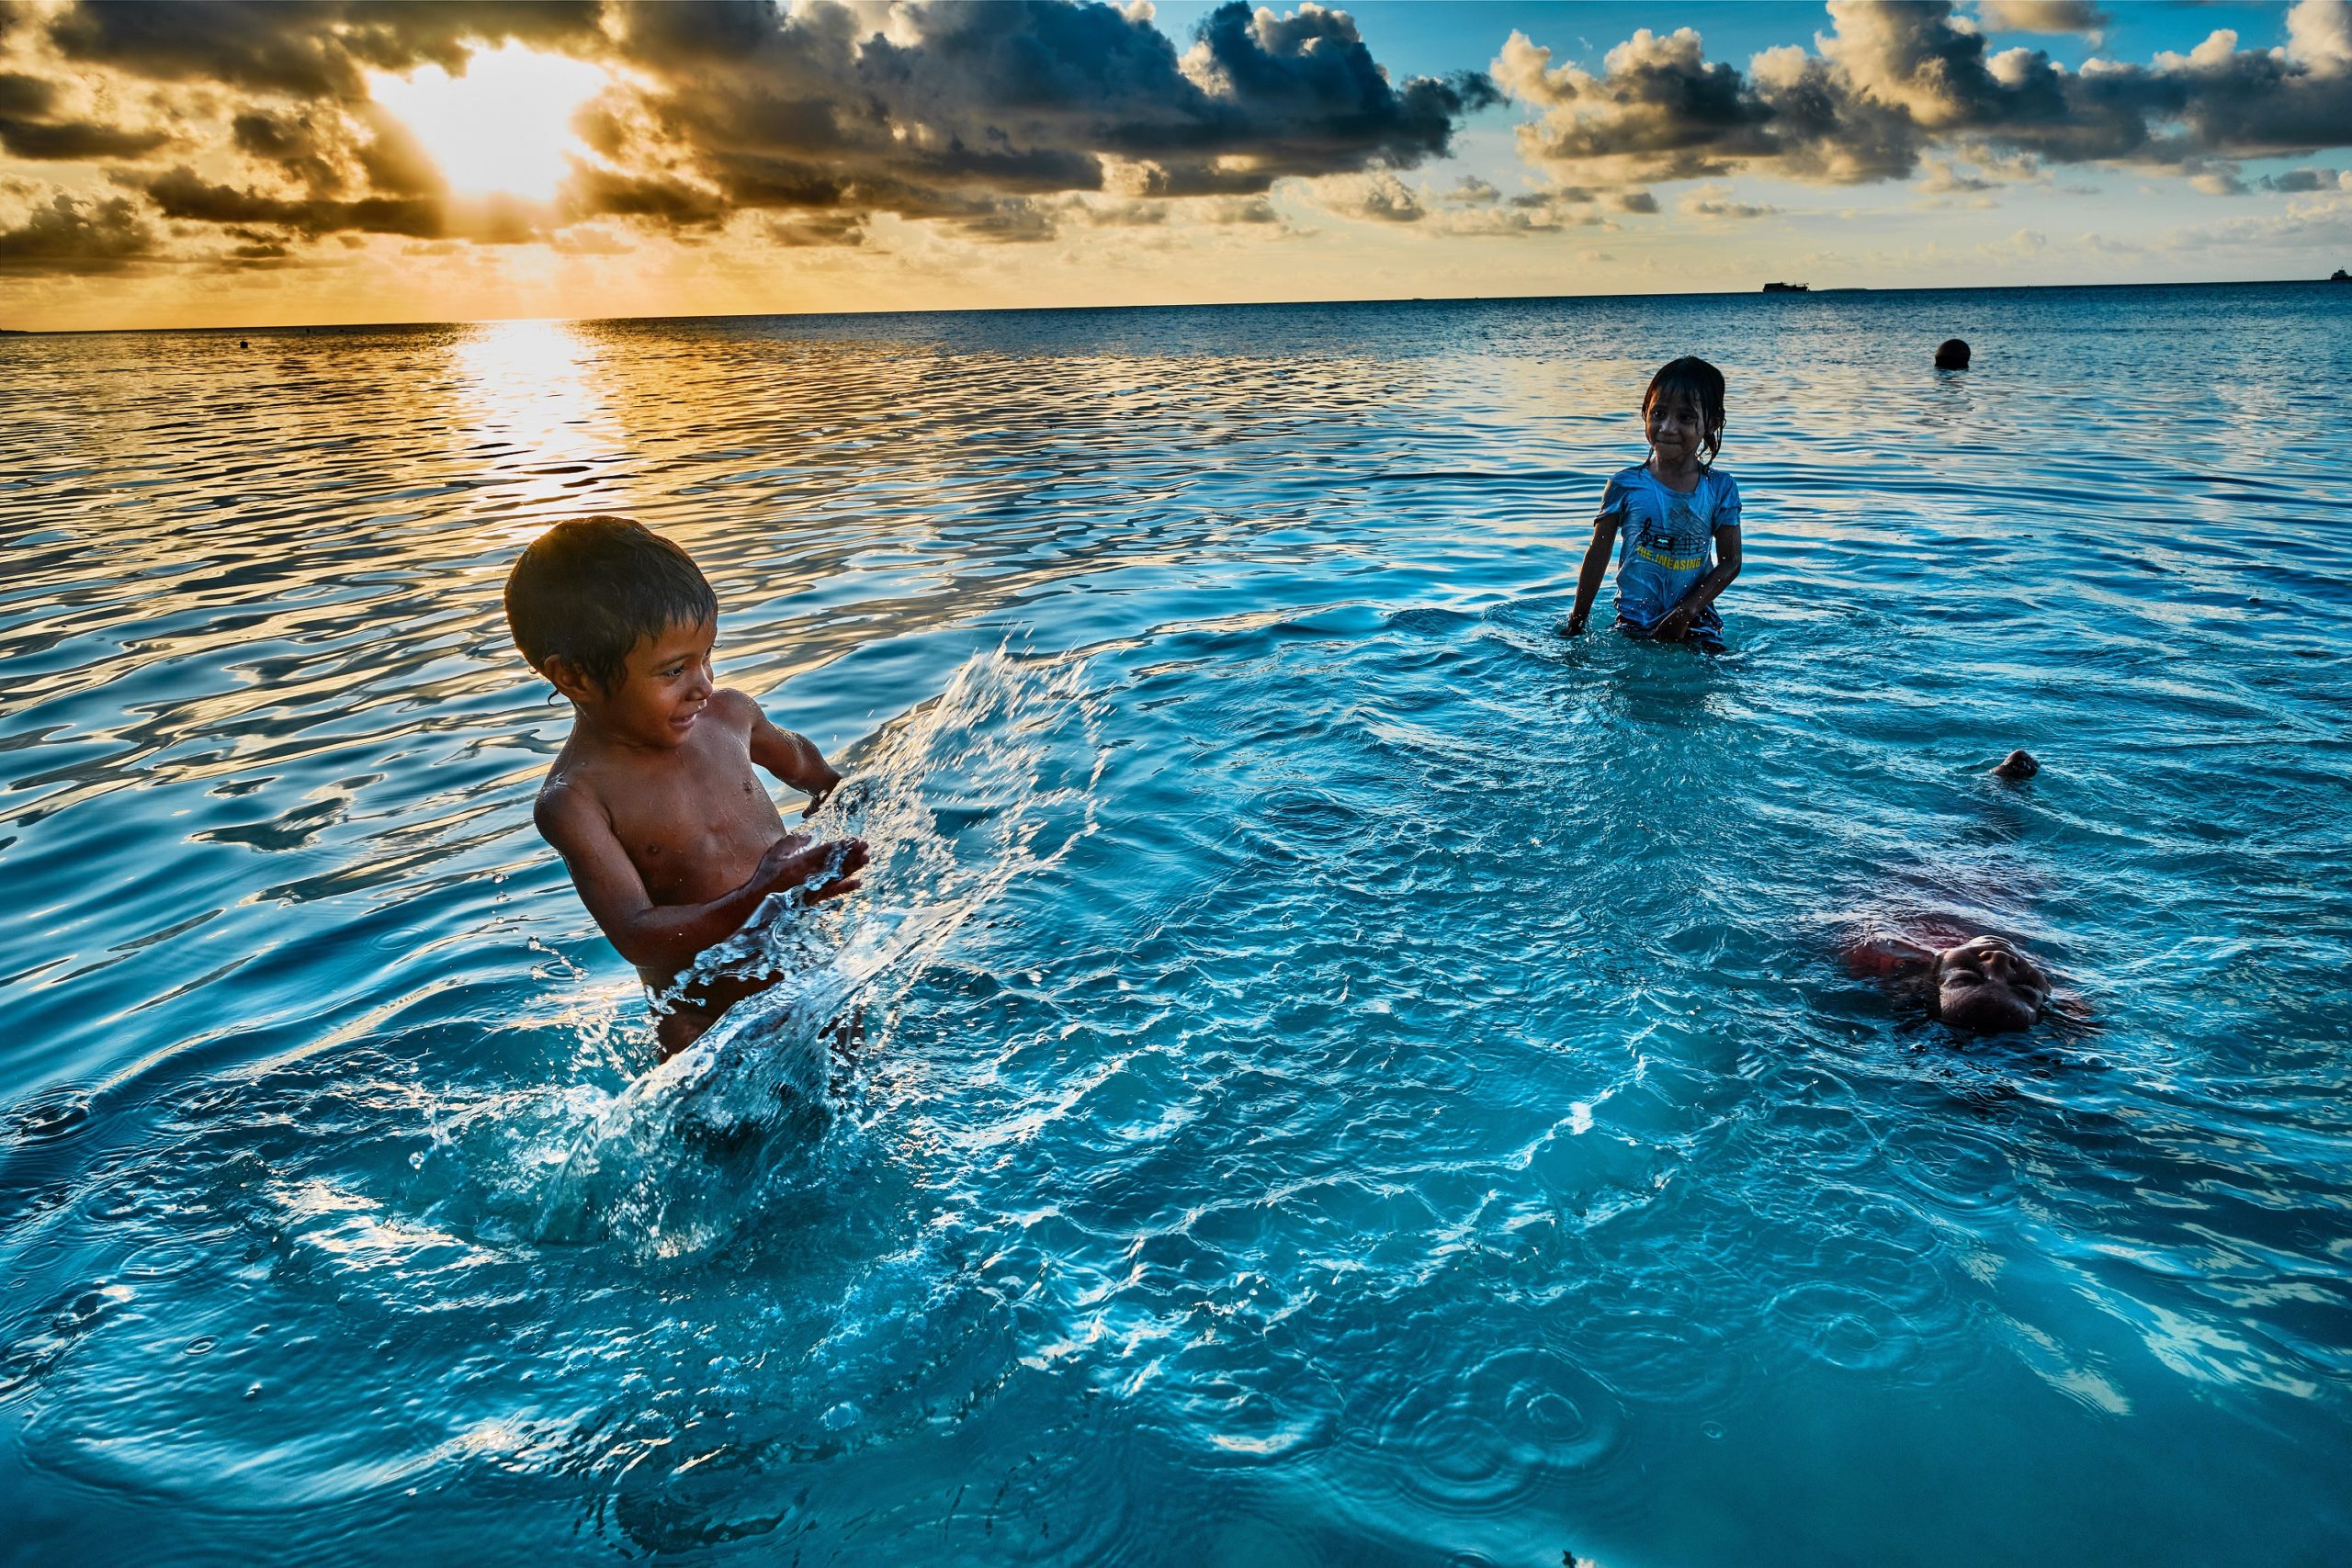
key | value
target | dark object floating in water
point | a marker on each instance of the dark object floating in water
(2341, 276)
(1788, 288)
(1952, 354)
(2017, 767)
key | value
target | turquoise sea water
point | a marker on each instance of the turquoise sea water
(1347, 1077)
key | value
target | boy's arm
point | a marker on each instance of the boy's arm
(664, 938)
(792, 757)
(1703, 593)
(1596, 564)
(1874, 954)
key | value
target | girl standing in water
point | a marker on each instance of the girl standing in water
(1671, 509)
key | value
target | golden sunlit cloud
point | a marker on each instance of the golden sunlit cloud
(504, 127)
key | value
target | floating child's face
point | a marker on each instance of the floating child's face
(665, 683)
(1987, 985)
(1676, 428)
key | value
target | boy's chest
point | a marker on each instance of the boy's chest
(694, 831)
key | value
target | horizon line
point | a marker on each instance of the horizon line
(1792, 291)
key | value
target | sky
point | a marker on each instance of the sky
(247, 163)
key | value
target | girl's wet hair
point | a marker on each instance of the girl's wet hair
(1692, 380)
(590, 590)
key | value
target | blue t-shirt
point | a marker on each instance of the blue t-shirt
(1666, 542)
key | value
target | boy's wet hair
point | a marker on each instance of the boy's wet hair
(589, 590)
(1692, 380)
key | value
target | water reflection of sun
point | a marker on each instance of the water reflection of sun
(535, 413)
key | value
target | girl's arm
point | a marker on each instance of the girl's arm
(1596, 562)
(1677, 620)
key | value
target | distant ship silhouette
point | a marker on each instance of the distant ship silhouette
(1787, 288)
(2341, 276)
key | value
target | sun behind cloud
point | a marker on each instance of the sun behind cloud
(504, 127)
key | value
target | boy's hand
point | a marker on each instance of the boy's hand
(1674, 627)
(821, 789)
(1576, 623)
(792, 861)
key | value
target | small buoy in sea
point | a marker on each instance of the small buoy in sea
(1952, 354)
(241, 343)
(2017, 767)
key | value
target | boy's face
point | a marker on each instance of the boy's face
(1675, 428)
(1989, 986)
(664, 685)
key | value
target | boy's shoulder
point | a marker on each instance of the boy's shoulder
(568, 795)
(734, 705)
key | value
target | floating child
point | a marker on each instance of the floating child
(669, 836)
(1980, 985)
(1671, 509)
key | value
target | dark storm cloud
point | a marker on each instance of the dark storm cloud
(2296, 181)
(952, 109)
(1891, 82)
(70, 236)
(983, 119)
(74, 140)
(182, 194)
(31, 127)
(317, 49)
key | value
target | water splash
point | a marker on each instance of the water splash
(991, 783)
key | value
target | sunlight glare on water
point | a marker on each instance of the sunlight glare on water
(1338, 1074)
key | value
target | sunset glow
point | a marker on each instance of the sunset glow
(502, 128)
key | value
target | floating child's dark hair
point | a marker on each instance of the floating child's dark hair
(590, 590)
(1692, 380)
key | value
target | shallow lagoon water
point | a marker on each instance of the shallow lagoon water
(1346, 1076)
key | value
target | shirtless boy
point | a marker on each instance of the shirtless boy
(670, 837)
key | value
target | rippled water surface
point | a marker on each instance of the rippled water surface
(1346, 1076)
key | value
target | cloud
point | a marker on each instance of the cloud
(1945, 178)
(181, 194)
(589, 240)
(2300, 180)
(812, 108)
(2040, 16)
(31, 127)
(985, 120)
(70, 236)
(2321, 222)
(319, 49)
(1381, 197)
(1714, 201)
(1889, 84)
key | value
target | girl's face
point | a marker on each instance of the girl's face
(1987, 985)
(1675, 430)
